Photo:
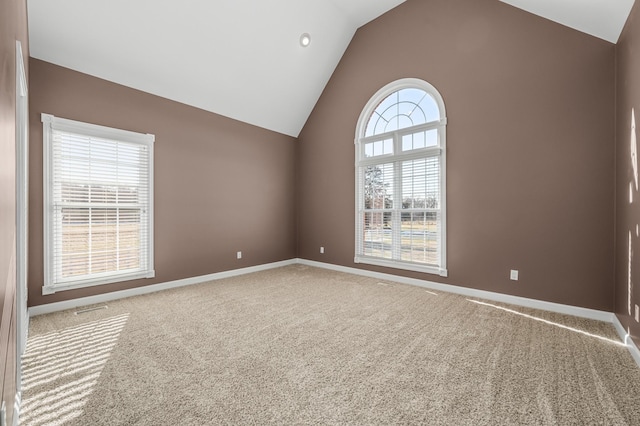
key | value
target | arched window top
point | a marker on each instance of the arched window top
(401, 109)
(400, 105)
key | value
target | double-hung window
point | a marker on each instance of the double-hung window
(400, 179)
(98, 204)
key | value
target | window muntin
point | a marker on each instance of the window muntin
(98, 204)
(400, 201)
(402, 109)
(420, 140)
(378, 147)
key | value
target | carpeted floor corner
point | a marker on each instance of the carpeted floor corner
(301, 345)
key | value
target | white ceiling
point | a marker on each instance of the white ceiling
(604, 19)
(239, 58)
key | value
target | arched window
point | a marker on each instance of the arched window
(400, 178)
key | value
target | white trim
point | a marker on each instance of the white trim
(150, 220)
(89, 129)
(22, 197)
(465, 291)
(471, 292)
(53, 282)
(406, 131)
(22, 220)
(405, 266)
(95, 280)
(102, 298)
(47, 177)
(17, 403)
(624, 335)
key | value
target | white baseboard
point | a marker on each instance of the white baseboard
(16, 408)
(624, 335)
(107, 297)
(594, 314)
(471, 292)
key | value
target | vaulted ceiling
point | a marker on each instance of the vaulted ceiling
(600, 18)
(240, 58)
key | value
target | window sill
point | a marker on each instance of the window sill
(91, 282)
(401, 265)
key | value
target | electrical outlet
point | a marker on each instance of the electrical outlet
(321, 250)
(637, 313)
(514, 275)
(239, 255)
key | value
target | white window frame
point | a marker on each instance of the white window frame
(51, 123)
(398, 155)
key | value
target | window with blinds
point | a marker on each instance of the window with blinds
(98, 198)
(400, 179)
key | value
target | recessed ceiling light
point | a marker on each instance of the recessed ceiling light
(305, 40)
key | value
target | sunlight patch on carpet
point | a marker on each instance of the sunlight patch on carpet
(556, 324)
(61, 369)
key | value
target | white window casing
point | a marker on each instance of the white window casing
(400, 179)
(98, 204)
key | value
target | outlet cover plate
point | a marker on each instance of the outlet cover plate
(514, 275)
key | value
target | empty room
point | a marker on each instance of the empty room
(319, 212)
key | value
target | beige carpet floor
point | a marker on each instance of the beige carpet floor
(301, 345)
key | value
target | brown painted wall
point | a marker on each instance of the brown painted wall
(627, 265)
(221, 186)
(530, 169)
(13, 26)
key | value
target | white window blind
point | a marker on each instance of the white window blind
(98, 204)
(400, 179)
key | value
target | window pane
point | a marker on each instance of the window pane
(377, 234)
(420, 237)
(388, 146)
(377, 148)
(420, 140)
(98, 240)
(95, 174)
(378, 186)
(75, 242)
(421, 183)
